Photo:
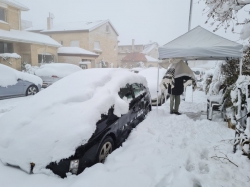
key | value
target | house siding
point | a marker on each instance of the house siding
(13, 18)
(108, 44)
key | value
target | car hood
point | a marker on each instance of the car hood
(52, 124)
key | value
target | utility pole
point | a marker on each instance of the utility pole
(190, 15)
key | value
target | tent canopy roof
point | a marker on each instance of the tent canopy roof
(200, 44)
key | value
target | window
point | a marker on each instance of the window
(74, 43)
(6, 47)
(97, 45)
(45, 58)
(126, 93)
(107, 28)
(3, 14)
(138, 89)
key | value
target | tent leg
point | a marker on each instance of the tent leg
(157, 86)
(240, 66)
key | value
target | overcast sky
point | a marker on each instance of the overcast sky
(142, 20)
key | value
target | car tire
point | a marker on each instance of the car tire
(31, 90)
(106, 147)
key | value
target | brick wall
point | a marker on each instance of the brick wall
(13, 18)
(108, 44)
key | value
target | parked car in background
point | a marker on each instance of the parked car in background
(14, 83)
(199, 73)
(151, 75)
(136, 70)
(69, 127)
(53, 72)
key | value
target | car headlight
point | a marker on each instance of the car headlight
(73, 167)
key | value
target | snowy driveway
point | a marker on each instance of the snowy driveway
(164, 150)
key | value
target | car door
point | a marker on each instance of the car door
(124, 122)
(12, 90)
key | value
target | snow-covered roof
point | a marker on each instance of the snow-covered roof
(15, 4)
(56, 69)
(54, 122)
(149, 47)
(151, 59)
(9, 76)
(78, 26)
(200, 44)
(75, 51)
(27, 37)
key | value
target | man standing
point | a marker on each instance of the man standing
(177, 72)
(175, 94)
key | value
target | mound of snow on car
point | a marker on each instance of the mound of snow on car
(9, 76)
(57, 120)
(57, 69)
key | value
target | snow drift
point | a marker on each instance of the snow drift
(57, 69)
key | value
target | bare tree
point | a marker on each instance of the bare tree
(224, 14)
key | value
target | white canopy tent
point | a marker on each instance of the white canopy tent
(200, 44)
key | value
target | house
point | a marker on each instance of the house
(150, 50)
(17, 46)
(137, 59)
(93, 43)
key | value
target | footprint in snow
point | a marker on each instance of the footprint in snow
(203, 167)
(189, 165)
(196, 183)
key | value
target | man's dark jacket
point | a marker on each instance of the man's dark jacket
(178, 85)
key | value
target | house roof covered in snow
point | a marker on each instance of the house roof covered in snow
(149, 47)
(151, 59)
(27, 37)
(15, 4)
(75, 51)
(134, 57)
(79, 26)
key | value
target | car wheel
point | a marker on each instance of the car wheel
(105, 149)
(31, 90)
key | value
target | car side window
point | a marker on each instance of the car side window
(126, 93)
(137, 89)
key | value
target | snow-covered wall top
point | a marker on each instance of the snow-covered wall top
(9, 76)
(10, 55)
(54, 122)
(56, 69)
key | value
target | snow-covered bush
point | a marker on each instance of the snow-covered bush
(140, 64)
(217, 80)
(30, 69)
(207, 81)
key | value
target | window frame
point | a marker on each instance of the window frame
(5, 14)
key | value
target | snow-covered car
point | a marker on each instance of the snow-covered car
(14, 83)
(53, 72)
(199, 73)
(75, 123)
(151, 75)
(136, 70)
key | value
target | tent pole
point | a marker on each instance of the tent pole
(157, 86)
(240, 66)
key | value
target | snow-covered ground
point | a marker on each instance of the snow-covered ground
(163, 150)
